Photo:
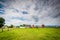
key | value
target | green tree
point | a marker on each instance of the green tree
(11, 26)
(24, 24)
(2, 22)
(21, 25)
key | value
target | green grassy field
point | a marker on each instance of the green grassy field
(31, 34)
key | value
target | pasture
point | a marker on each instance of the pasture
(30, 34)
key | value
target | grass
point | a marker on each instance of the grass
(31, 34)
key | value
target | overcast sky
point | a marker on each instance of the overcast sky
(36, 12)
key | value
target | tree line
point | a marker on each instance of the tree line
(2, 22)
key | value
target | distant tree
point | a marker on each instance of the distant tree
(11, 26)
(36, 26)
(2, 22)
(21, 25)
(24, 24)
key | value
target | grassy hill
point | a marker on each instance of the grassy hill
(31, 34)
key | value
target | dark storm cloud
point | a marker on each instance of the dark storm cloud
(35, 18)
(6, 0)
(1, 5)
(6, 3)
(1, 8)
(25, 12)
(56, 16)
(2, 11)
(3, 0)
(38, 11)
(45, 5)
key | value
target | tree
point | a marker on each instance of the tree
(24, 24)
(11, 26)
(2, 22)
(21, 25)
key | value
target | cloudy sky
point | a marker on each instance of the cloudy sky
(36, 12)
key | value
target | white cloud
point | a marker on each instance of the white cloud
(43, 13)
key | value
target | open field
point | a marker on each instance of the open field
(30, 34)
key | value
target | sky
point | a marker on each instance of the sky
(31, 12)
